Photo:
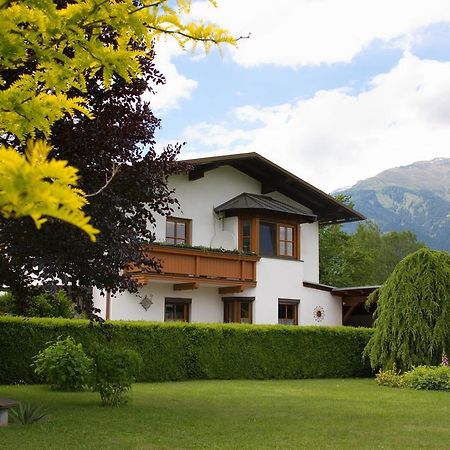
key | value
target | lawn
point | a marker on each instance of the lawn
(237, 414)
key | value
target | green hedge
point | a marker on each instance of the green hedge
(178, 351)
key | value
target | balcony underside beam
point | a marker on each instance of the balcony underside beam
(231, 289)
(186, 286)
(177, 280)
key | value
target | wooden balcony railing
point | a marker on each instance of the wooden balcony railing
(182, 264)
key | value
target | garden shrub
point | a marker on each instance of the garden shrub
(390, 378)
(64, 365)
(116, 369)
(51, 305)
(431, 378)
(7, 303)
(45, 304)
(179, 351)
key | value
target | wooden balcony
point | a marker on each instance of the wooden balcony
(189, 268)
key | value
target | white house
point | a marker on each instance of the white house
(257, 226)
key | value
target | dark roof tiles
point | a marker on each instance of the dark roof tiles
(247, 201)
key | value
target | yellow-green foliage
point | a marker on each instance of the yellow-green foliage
(390, 378)
(434, 378)
(413, 313)
(65, 49)
(36, 30)
(32, 185)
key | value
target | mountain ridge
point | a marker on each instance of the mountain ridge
(414, 197)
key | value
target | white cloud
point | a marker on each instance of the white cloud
(309, 32)
(335, 138)
(177, 87)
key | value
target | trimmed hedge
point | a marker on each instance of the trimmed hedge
(179, 351)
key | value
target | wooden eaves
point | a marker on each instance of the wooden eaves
(274, 178)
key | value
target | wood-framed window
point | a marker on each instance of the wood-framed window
(286, 240)
(177, 309)
(246, 235)
(270, 237)
(278, 239)
(288, 311)
(238, 309)
(178, 231)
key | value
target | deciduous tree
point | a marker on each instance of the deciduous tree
(126, 180)
(50, 47)
(366, 257)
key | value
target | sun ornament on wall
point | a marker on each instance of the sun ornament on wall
(147, 301)
(318, 313)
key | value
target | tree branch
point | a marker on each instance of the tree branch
(114, 172)
(188, 36)
(151, 5)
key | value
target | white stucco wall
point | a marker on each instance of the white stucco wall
(206, 303)
(309, 251)
(198, 198)
(276, 278)
(313, 298)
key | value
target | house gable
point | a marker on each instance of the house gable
(273, 178)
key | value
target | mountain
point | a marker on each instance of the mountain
(414, 197)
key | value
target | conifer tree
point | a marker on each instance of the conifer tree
(412, 320)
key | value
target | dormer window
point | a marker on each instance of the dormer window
(178, 231)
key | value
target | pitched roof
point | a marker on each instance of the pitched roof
(253, 202)
(275, 178)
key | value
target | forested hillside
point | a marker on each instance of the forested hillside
(414, 198)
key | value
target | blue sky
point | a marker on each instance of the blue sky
(333, 101)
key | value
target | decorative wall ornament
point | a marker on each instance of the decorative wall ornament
(318, 313)
(147, 301)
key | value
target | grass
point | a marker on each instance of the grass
(313, 414)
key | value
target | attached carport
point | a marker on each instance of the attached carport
(354, 311)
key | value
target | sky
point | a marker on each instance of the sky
(333, 91)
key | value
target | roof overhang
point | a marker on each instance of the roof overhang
(274, 178)
(345, 292)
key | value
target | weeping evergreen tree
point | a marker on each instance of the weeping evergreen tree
(412, 320)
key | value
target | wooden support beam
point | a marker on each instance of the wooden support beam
(348, 314)
(185, 286)
(350, 301)
(142, 280)
(231, 289)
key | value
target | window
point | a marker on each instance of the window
(277, 239)
(177, 309)
(288, 311)
(238, 309)
(178, 231)
(246, 233)
(267, 239)
(286, 240)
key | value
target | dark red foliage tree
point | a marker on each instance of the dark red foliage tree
(127, 180)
